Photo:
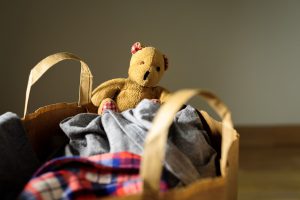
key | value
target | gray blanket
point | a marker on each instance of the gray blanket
(189, 155)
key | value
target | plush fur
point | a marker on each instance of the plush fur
(147, 66)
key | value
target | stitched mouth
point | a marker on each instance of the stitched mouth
(146, 75)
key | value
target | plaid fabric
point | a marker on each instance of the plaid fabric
(87, 177)
(109, 105)
(155, 100)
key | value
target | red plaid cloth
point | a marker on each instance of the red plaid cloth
(155, 101)
(109, 105)
(87, 177)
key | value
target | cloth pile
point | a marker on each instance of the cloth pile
(103, 155)
(189, 155)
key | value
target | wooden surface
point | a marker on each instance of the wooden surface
(269, 163)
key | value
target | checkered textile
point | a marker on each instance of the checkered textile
(87, 177)
(155, 101)
(109, 105)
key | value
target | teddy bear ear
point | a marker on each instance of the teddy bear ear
(166, 60)
(136, 47)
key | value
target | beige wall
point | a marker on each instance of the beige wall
(248, 53)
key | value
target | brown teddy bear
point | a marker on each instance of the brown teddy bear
(147, 66)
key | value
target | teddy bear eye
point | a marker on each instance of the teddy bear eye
(142, 62)
(157, 69)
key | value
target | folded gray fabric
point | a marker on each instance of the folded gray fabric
(189, 155)
(18, 160)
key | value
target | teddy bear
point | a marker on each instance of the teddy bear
(147, 66)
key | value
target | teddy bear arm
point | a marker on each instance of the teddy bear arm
(108, 89)
(163, 94)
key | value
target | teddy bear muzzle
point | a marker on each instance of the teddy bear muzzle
(146, 75)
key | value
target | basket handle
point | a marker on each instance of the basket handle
(86, 78)
(154, 149)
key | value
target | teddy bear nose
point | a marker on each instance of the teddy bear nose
(146, 75)
(157, 69)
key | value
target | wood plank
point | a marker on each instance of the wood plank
(269, 163)
(273, 136)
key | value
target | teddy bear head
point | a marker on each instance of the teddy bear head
(147, 65)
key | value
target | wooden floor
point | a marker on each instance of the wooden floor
(269, 163)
